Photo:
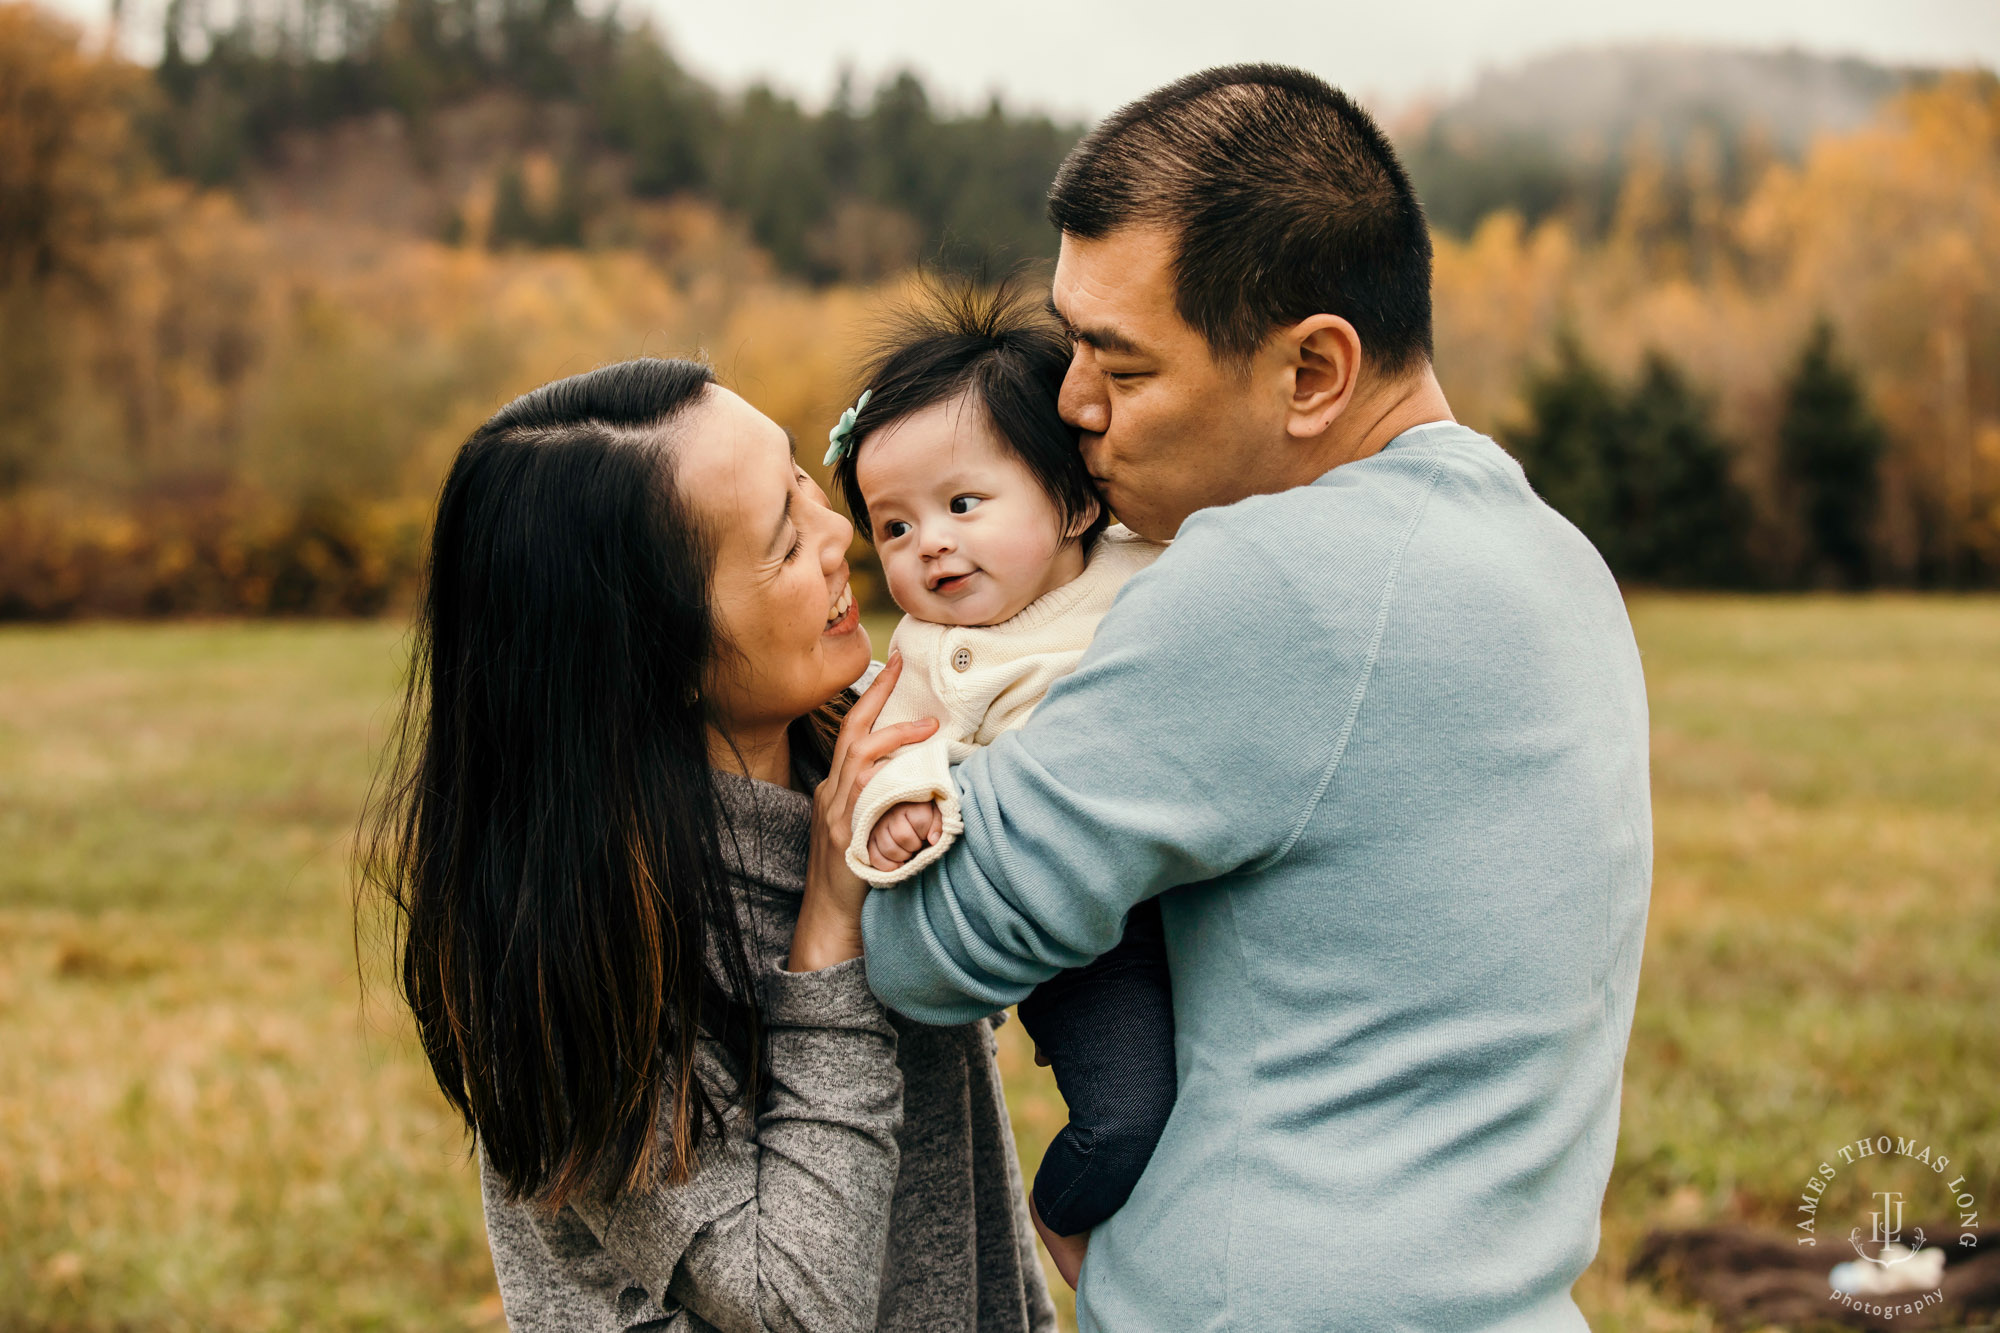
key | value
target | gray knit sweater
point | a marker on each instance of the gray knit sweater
(875, 1187)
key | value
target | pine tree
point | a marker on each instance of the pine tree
(1830, 447)
(514, 220)
(1642, 471)
(1573, 424)
(1681, 518)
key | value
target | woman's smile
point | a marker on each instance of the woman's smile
(846, 614)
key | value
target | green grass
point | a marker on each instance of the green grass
(202, 1124)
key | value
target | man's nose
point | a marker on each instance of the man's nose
(1082, 401)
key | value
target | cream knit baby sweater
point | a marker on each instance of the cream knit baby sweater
(978, 681)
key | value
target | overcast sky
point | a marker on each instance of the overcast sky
(1085, 57)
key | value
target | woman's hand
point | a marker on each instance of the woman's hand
(829, 926)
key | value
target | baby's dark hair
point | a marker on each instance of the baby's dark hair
(998, 343)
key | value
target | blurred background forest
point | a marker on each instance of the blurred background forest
(1738, 313)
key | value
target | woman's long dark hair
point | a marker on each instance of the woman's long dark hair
(545, 832)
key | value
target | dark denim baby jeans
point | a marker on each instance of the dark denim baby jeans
(1108, 1031)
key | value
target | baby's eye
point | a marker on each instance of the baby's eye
(964, 504)
(894, 528)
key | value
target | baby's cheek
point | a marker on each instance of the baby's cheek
(1029, 548)
(906, 582)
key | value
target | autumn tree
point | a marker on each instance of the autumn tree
(69, 168)
(68, 161)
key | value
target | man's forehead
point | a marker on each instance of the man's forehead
(1115, 288)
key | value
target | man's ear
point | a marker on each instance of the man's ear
(1324, 365)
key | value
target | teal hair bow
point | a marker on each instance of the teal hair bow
(842, 435)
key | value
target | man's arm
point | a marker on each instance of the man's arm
(1192, 740)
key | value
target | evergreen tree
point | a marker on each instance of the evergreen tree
(1681, 518)
(1568, 445)
(514, 220)
(1642, 472)
(1830, 448)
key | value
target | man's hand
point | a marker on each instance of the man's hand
(902, 832)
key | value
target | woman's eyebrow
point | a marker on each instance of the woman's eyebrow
(784, 516)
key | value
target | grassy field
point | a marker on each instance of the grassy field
(203, 1125)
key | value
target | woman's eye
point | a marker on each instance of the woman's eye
(964, 504)
(894, 528)
(798, 540)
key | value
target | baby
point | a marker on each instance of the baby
(956, 465)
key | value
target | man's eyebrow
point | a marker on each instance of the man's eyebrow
(1103, 340)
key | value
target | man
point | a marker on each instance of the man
(1373, 730)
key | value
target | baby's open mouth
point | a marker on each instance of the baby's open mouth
(949, 583)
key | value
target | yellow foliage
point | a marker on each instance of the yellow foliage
(67, 160)
(168, 357)
(1892, 232)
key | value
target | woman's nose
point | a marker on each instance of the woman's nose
(840, 536)
(1082, 401)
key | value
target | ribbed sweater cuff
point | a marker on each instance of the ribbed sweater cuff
(833, 997)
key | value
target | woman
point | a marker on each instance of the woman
(626, 931)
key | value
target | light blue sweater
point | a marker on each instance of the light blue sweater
(1380, 744)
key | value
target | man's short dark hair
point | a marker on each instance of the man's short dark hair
(1287, 201)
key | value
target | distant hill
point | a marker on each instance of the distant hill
(527, 122)
(532, 123)
(1555, 133)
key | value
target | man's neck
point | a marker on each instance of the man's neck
(1374, 419)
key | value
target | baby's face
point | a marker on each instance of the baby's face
(966, 534)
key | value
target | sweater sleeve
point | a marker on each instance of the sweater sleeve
(785, 1222)
(1192, 741)
(920, 772)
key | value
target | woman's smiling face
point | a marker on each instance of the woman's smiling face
(966, 534)
(790, 629)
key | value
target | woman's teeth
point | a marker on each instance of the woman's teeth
(840, 604)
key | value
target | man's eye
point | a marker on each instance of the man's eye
(894, 529)
(964, 504)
